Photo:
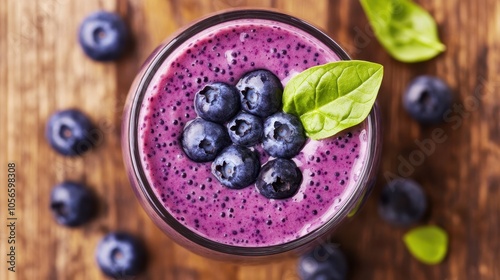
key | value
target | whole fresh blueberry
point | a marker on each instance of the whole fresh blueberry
(203, 140)
(245, 129)
(279, 179)
(427, 99)
(260, 92)
(325, 262)
(103, 36)
(217, 102)
(72, 204)
(402, 202)
(283, 135)
(236, 167)
(121, 255)
(70, 132)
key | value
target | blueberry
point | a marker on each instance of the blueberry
(71, 133)
(260, 92)
(427, 98)
(245, 129)
(402, 202)
(103, 36)
(203, 140)
(72, 204)
(323, 262)
(236, 167)
(283, 135)
(279, 179)
(121, 255)
(217, 102)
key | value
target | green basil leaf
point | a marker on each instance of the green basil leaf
(428, 244)
(405, 30)
(332, 97)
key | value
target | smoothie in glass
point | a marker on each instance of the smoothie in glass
(183, 197)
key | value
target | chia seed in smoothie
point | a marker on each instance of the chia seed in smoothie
(189, 192)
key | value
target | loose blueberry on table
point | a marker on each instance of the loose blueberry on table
(72, 204)
(427, 98)
(402, 202)
(325, 262)
(120, 254)
(103, 36)
(70, 132)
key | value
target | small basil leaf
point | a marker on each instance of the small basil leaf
(405, 30)
(428, 244)
(332, 97)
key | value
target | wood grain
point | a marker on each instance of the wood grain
(42, 69)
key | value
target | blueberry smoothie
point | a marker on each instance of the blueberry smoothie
(184, 196)
(189, 191)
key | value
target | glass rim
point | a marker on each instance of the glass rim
(146, 76)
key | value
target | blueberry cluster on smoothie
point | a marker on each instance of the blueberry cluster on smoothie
(190, 153)
(230, 138)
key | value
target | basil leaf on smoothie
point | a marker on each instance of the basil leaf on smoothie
(428, 244)
(332, 97)
(405, 30)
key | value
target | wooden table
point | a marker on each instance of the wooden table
(43, 69)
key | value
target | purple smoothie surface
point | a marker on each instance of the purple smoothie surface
(188, 190)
